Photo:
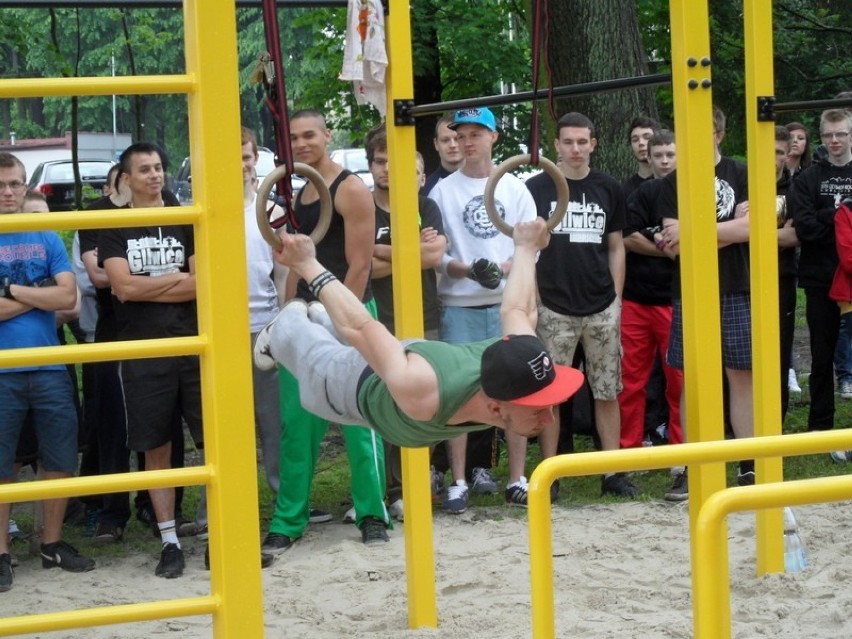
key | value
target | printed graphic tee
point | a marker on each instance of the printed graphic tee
(151, 251)
(573, 271)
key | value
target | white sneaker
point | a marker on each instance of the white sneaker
(846, 389)
(349, 516)
(455, 501)
(841, 456)
(396, 510)
(793, 382)
(262, 354)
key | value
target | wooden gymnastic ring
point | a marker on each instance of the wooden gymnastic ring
(276, 176)
(512, 163)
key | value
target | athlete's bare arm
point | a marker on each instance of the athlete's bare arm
(519, 311)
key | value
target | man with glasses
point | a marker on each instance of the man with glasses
(36, 281)
(812, 201)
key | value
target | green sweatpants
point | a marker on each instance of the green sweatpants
(301, 435)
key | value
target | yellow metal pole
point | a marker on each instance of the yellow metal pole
(214, 134)
(691, 84)
(540, 529)
(408, 313)
(764, 269)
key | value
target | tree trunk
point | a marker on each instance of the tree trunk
(427, 79)
(593, 41)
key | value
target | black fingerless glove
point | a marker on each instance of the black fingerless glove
(485, 273)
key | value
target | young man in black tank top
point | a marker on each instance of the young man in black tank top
(347, 251)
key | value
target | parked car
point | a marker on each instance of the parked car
(265, 165)
(55, 179)
(354, 160)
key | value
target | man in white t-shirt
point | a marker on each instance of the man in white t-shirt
(474, 269)
(265, 279)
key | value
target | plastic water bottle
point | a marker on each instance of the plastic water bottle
(794, 549)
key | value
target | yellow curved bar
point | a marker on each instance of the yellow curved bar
(693, 454)
(711, 592)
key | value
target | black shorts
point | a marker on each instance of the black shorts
(156, 389)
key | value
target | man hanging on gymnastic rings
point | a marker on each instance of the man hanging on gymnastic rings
(416, 393)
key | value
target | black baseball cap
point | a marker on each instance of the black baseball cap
(518, 369)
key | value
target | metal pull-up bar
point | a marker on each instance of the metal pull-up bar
(584, 88)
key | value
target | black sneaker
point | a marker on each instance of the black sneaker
(618, 485)
(7, 575)
(107, 534)
(62, 555)
(746, 479)
(516, 494)
(373, 531)
(554, 490)
(679, 490)
(171, 563)
(276, 544)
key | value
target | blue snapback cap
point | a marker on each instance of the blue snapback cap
(478, 115)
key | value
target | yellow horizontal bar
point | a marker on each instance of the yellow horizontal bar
(147, 611)
(613, 461)
(103, 351)
(87, 219)
(99, 484)
(107, 85)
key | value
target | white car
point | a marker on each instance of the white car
(265, 165)
(354, 160)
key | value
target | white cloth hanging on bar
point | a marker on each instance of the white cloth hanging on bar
(365, 58)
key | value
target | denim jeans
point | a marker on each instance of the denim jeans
(48, 396)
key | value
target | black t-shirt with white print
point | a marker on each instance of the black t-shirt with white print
(151, 251)
(573, 271)
(731, 189)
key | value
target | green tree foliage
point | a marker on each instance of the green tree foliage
(811, 56)
(461, 49)
(88, 40)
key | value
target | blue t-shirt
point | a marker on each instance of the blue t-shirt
(26, 258)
